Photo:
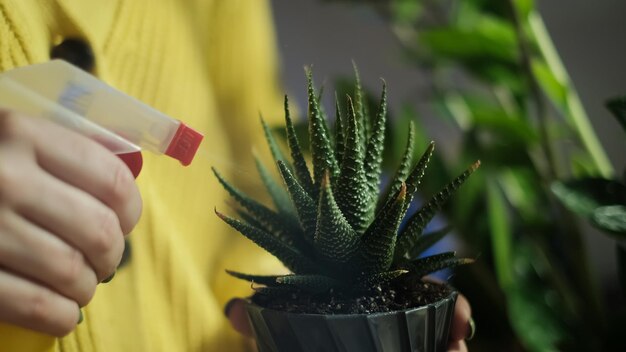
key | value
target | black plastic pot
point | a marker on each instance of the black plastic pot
(423, 329)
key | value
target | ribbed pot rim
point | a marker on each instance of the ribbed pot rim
(451, 295)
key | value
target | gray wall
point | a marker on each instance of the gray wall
(590, 36)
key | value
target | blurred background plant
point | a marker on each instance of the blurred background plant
(496, 78)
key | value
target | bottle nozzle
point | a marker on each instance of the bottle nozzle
(184, 144)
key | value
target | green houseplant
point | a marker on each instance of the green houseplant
(356, 271)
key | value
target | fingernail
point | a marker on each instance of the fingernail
(108, 279)
(80, 316)
(472, 329)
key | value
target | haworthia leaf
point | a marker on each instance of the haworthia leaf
(339, 132)
(311, 283)
(291, 257)
(426, 241)
(290, 232)
(335, 239)
(416, 175)
(360, 107)
(369, 281)
(427, 265)
(419, 220)
(277, 153)
(378, 242)
(375, 146)
(268, 280)
(352, 190)
(299, 163)
(403, 170)
(261, 213)
(280, 198)
(321, 148)
(306, 208)
(276, 291)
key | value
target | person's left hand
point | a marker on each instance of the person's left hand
(460, 330)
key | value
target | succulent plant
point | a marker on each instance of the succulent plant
(334, 228)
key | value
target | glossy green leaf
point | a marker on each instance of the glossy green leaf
(406, 11)
(554, 89)
(611, 218)
(488, 39)
(501, 235)
(583, 196)
(618, 108)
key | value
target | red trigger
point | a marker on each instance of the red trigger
(133, 160)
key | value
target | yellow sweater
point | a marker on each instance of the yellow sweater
(212, 64)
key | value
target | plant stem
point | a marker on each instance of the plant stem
(575, 110)
(577, 255)
(535, 93)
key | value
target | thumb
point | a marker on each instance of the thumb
(235, 311)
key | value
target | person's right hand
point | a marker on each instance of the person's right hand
(66, 204)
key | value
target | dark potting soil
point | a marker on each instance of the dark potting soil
(399, 295)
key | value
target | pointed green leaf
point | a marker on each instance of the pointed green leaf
(304, 204)
(339, 132)
(416, 175)
(261, 213)
(291, 257)
(403, 170)
(360, 108)
(352, 191)
(280, 198)
(375, 146)
(335, 239)
(276, 291)
(268, 280)
(299, 163)
(311, 283)
(277, 153)
(321, 148)
(369, 281)
(427, 265)
(378, 242)
(416, 224)
(426, 241)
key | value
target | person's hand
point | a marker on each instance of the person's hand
(236, 312)
(65, 205)
(462, 325)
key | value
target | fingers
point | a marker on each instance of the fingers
(34, 253)
(35, 307)
(457, 346)
(80, 162)
(76, 217)
(460, 321)
(236, 312)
